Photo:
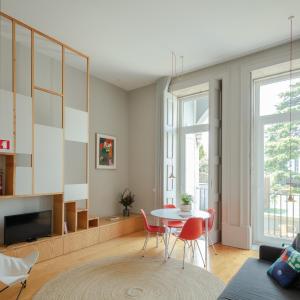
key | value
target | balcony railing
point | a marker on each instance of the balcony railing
(281, 216)
(201, 196)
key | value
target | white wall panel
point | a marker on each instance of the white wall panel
(48, 159)
(75, 192)
(6, 119)
(23, 181)
(76, 125)
(23, 124)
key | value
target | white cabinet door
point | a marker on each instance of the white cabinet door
(48, 159)
(23, 124)
(76, 125)
(6, 121)
(23, 181)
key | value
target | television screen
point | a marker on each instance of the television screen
(27, 227)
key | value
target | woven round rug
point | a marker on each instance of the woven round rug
(133, 278)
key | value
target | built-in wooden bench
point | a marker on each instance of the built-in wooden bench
(99, 231)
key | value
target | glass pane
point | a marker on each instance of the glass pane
(195, 110)
(75, 81)
(281, 216)
(23, 62)
(196, 167)
(48, 64)
(48, 109)
(75, 163)
(274, 97)
(5, 54)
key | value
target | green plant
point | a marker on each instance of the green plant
(186, 199)
(127, 198)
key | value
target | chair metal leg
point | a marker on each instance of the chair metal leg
(23, 286)
(193, 250)
(213, 246)
(4, 289)
(183, 255)
(200, 253)
(173, 247)
(145, 244)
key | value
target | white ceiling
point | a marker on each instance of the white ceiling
(129, 41)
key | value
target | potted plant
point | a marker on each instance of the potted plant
(186, 201)
(127, 198)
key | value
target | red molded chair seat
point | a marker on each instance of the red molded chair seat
(171, 223)
(155, 229)
(158, 230)
(191, 232)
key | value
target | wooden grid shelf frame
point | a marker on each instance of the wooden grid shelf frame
(58, 196)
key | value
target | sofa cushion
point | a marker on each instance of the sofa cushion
(252, 283)
(286, 268)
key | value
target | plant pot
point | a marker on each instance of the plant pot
(126, 212)
(186, 207)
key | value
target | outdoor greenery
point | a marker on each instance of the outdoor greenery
(277, 146)
(203, 165)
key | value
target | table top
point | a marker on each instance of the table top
(177, 214)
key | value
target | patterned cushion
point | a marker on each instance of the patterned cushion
(286, 269)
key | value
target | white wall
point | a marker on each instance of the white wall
(142, 146)
(236, 176)
(108, 115)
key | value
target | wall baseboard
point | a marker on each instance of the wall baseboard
(236, 236)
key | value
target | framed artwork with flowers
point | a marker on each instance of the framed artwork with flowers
(105, 151)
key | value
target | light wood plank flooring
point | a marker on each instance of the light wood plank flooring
(224, 265)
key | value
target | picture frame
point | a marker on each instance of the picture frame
(106, 152)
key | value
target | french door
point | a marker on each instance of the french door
(276, 169)
(200, 149)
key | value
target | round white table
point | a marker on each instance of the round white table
(178, 215)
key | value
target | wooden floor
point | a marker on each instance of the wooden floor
(224, 265)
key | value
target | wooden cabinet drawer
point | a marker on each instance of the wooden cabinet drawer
(47, 249)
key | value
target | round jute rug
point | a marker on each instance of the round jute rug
(133, 278)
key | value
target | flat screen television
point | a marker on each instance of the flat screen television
(27, 227)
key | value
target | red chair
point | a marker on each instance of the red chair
(150, 229)
(210, 224)
(172, 224)
(191, 232)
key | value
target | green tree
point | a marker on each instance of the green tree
(277, 146)
(203, 165)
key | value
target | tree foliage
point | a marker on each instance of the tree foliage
(278, 143)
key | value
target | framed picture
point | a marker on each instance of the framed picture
(105, 151)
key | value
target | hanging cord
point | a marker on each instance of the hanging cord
(181, 58)
(291, 198)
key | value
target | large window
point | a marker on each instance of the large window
(194, 143)
(275, 217)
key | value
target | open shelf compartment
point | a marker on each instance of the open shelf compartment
(82, 219)
(7, 167)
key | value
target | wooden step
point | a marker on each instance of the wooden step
(71, 215)
(93, 221)
(82, 219)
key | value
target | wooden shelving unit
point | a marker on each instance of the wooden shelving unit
(57, 245)
(45, 120)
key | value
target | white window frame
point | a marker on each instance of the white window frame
(257, 157)
(183, 130)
